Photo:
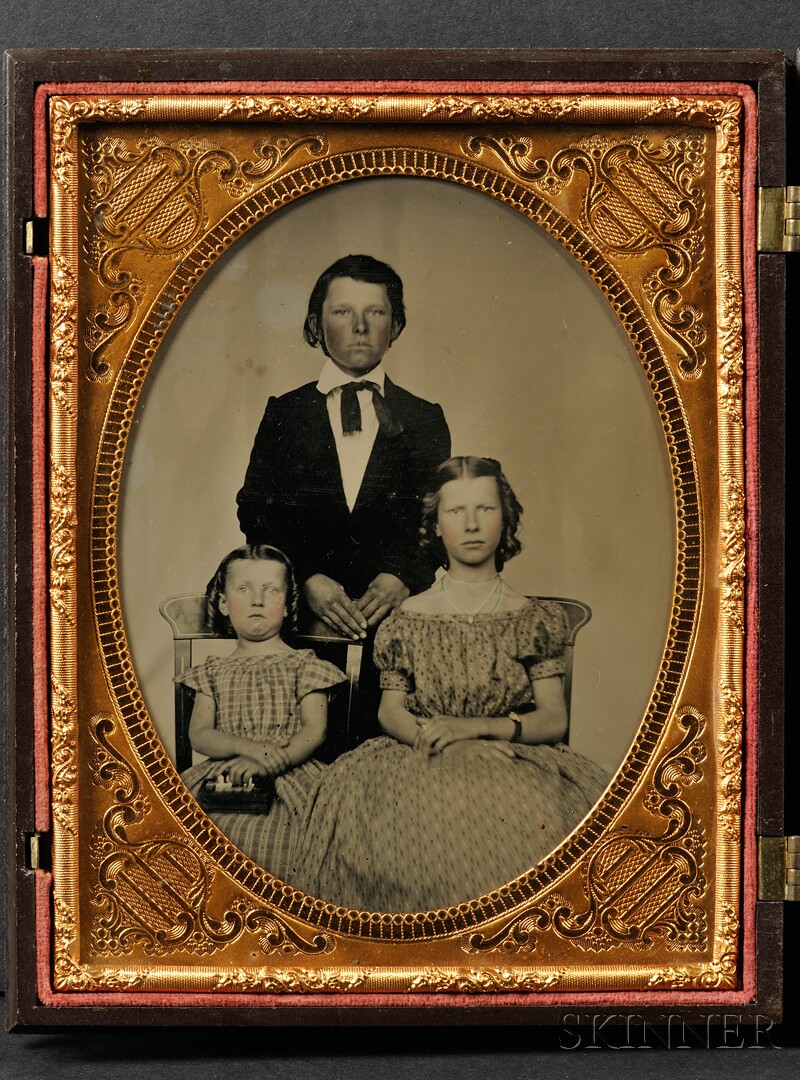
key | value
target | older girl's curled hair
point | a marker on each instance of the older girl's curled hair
(460, 468)
(220, 624)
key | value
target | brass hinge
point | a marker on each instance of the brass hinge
(35, 240)
(38, 852)
(779, 219)
(779, 868)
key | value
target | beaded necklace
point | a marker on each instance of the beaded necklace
(494, 593)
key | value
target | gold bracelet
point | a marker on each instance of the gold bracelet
(517, 726)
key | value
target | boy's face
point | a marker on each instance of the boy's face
(255, 598)
(357, 325)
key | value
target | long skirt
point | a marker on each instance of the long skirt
(390, 829)
(270, 840)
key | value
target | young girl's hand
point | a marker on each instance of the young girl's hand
(240, 769)
(276, 758)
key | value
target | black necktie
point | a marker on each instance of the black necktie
(351, 410)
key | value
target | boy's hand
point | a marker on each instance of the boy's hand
(328, 600)
(385, 593)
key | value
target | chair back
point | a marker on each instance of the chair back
(577, 614)
(186, 616)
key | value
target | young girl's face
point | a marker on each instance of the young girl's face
(255, 598)
(470, 520)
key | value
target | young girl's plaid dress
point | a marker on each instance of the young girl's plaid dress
(258, 697)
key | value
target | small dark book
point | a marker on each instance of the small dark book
(219, 795)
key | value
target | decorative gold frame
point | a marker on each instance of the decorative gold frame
(645, 190)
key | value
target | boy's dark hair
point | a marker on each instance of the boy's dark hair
(360, 268)
(220, 624)
(458, 468)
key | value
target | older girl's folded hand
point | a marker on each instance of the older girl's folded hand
(438, 732)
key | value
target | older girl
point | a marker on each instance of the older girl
(472, 786)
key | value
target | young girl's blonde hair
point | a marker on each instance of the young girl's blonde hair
(221, 624)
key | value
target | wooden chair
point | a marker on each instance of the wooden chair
(578, 614)
(185, 615)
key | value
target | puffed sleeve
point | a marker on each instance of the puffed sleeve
(315, 674)
(545, 638)
(392, 656)
(201, 677)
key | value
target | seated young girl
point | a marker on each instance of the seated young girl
(262, 710)
(472, 785)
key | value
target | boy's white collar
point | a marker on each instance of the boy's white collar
(331, 376)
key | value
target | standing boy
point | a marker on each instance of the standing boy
(338, 466)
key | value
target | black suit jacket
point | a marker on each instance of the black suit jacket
(293, 497)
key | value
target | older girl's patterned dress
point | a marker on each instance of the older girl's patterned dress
(390, 829)
(258, 697)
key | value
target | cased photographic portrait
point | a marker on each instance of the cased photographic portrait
(512, 340)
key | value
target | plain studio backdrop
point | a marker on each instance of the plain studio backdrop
(531, 366)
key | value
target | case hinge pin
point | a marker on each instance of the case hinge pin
(792, 868)
(779, 219)
(38, 855)
(35, 236)
(779, 868)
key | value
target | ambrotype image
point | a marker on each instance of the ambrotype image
(397, 426)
